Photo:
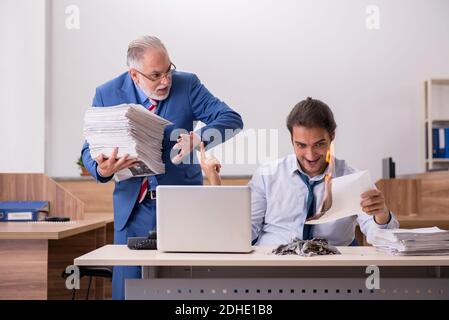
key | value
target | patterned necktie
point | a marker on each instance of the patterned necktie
(144, 186)
(307, 232)
(153, 106)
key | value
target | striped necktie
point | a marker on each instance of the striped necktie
(307, 232)
(153, 105)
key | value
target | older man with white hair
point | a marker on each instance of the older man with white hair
(153, 81)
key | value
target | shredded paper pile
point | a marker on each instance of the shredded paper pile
(306, 248)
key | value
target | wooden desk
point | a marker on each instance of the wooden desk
(402, 195)
(107, 217)
(260, 275)
(47, 230)
(34, 255)
(351, 256)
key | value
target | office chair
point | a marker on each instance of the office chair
(102, 272)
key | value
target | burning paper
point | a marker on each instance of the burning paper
(326, 203)
(346, 197)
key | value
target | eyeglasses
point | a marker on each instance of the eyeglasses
(158, 75)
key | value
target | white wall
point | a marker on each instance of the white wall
(262, 57)
(22, 79)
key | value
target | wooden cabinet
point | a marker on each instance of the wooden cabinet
(33, 255)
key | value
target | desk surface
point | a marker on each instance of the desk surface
(110, 255)
(107, 217)
(47, 230)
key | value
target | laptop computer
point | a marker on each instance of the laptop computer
(203, 218)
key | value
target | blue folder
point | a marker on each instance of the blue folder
(446, 136)
(440, 142)
(23, 210)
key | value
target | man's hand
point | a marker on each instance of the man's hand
(107, 167)
(211, 167)
(373, 203)
(185, 144)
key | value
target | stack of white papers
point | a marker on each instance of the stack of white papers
(134, 130)
(421, 242)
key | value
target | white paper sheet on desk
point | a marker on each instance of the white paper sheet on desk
(346, 191)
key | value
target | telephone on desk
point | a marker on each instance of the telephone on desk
(143, 243)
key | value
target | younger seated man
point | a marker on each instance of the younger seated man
(289, 190)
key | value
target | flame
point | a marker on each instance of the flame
(326, 202)
(330, 153)
(330, 157)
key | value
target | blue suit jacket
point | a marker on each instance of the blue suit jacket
(188, 101)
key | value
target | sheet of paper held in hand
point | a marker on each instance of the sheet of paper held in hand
(346, 196)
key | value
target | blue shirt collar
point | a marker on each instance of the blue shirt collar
(143, 99)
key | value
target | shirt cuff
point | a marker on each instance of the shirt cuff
(386, 224)
(100, 177)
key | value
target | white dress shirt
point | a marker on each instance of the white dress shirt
(279, 206)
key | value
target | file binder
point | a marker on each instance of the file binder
(446, 149)
(23, 210)
(440, 142)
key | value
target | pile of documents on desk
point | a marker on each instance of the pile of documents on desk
(411, 242)
(134, 130)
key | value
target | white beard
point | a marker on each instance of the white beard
(154, 96)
